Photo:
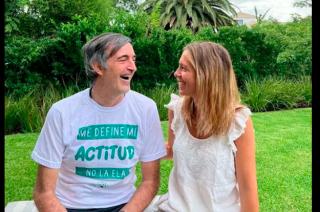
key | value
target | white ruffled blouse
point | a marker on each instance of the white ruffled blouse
(203, 175)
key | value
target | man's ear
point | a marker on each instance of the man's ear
(98, 68)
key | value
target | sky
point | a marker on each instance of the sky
(279, 9)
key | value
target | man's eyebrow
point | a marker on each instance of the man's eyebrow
(125, 56)
(122, 57)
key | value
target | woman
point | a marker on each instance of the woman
(211, 137)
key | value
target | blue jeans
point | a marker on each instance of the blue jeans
(111, 209)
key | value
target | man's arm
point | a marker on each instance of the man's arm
(44, 193)
(147, 189)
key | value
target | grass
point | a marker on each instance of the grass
(283, 154)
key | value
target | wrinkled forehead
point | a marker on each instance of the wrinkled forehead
(116, 47)
(125, 50)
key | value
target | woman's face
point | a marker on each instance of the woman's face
(185, 75)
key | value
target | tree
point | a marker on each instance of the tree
(128, 5)
(303, 3)
(260, 17)
(192, 14)
(38, 18)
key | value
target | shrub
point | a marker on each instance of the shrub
(24, 57)
(293, 41)
(28, 113)
(161, 95)
(274, 93)
(267, 49)
(22, 115)
(158, 54)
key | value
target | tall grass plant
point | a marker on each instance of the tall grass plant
(27, 114)
(274, 93)
(161, 95)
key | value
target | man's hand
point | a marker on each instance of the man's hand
(147, 189)
(44, 192)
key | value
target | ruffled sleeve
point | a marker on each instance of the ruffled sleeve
(238, 126)
(175, 106)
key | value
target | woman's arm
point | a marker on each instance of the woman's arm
(246, 169)
(169, 144)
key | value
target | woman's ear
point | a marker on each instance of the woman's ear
(98, 69)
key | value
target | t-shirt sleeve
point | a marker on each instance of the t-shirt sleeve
(153, 147)
(238, 126)
(49, 148)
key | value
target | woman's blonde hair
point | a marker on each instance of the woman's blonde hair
(217, 95)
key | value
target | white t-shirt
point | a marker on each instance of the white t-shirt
(96, 148)
(203, 176)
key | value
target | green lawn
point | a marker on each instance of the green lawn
(283, 145)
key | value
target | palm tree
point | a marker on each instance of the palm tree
(192, 13)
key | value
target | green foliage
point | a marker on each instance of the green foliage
(267, 49)
(192, 14)
(128, 5)
(158, 55)
(252, 57)
(23, 56)
(38, 18)
(293, 41)
(27, 114)
(22, 115)
(132, 25)
(155, 16)
(161, 95)
(275, 93)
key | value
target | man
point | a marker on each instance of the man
(91, 141)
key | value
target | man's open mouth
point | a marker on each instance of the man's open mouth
(125, 77)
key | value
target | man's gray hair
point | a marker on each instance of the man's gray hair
(100, 48)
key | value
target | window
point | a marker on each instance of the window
(240, 22)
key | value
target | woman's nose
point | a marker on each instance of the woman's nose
(177, 73)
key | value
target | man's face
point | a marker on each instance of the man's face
(120, 70)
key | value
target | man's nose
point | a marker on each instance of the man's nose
(132, 65)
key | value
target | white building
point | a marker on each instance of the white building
(245, 19)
